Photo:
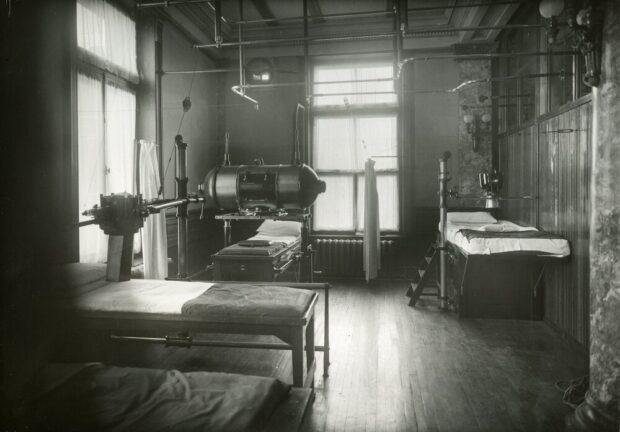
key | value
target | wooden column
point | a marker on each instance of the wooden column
(601, 409)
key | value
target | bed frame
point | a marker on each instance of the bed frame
(257, 267)
(266, 268)
(502, 286)
(297, 334)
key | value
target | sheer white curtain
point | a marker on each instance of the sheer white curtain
(372, 245)
(91, 163)
(105, 165)
(106, 32)
(154, 241)
(120, 126)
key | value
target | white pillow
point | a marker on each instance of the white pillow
(493, 228)
(283, 228)
(471, 217)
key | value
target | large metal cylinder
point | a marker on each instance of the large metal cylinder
(265, 187)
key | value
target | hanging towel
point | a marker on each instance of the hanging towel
(154, 240)
(372, 247)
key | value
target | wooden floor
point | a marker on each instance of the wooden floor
(396, 368)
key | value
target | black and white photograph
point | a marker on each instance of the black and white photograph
(310, 216)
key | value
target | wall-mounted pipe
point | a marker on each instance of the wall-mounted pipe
(204, 71)
(364, 36)
(237, 90)
(481, 56)
(217, 22)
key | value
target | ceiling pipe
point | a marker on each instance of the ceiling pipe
(141, 5)
(363, 36)
(205, 71)
(480, 56)
(378, 13)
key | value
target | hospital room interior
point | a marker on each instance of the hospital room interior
(310, 215)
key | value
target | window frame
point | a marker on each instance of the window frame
(378, 110)
(87, 63)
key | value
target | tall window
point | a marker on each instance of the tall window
(355, 118)
(106, 112)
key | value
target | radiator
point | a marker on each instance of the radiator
(344, 257)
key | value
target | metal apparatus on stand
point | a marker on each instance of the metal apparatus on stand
(267, 191)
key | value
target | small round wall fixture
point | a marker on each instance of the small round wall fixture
(551, 8)
(259, 71)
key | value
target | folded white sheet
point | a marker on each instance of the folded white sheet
(275, 238)
(488, 246)
(141, 296)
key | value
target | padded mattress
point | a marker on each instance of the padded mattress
(261, 245)
(201, 300)
(505, 237)
(101, 398)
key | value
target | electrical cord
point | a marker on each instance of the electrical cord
(573, 391)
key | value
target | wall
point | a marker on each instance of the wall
(199, 128)
(269, 131)
(433, 124)
(199, 124)
(471, 162)
(551, 159)
(35, 165)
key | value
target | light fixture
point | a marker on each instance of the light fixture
(551, 8)
(474, 127)
(259, 71)
(586, 24)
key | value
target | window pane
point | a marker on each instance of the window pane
(334, 143)
(91, 168)
(333, 210)
(377, 137)
(329, 74)
(107, 33)
(348, 93)
(120, 135)
(374, 72)
(347, 142)
(387, 190)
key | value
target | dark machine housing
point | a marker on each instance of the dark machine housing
(264, 187)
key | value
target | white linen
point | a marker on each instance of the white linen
(154, 238)
(291, 228)
(286, 239)
(488, 246)
(470, 217)
(141, 296)
(372, 233)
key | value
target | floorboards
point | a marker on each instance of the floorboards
(396, 368)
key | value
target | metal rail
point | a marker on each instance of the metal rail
(480, 56)
(364, 36)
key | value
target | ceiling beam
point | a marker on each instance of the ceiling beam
(474, 18)
(504, 17)
(315, 11)
(265, 11)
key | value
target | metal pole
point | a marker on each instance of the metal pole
(240, 30)
(443, 195)
(182, 252)
(159, 123)
(205, 71)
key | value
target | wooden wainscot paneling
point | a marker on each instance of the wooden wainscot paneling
(551, 159)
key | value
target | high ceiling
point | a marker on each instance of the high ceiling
(435, 22)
